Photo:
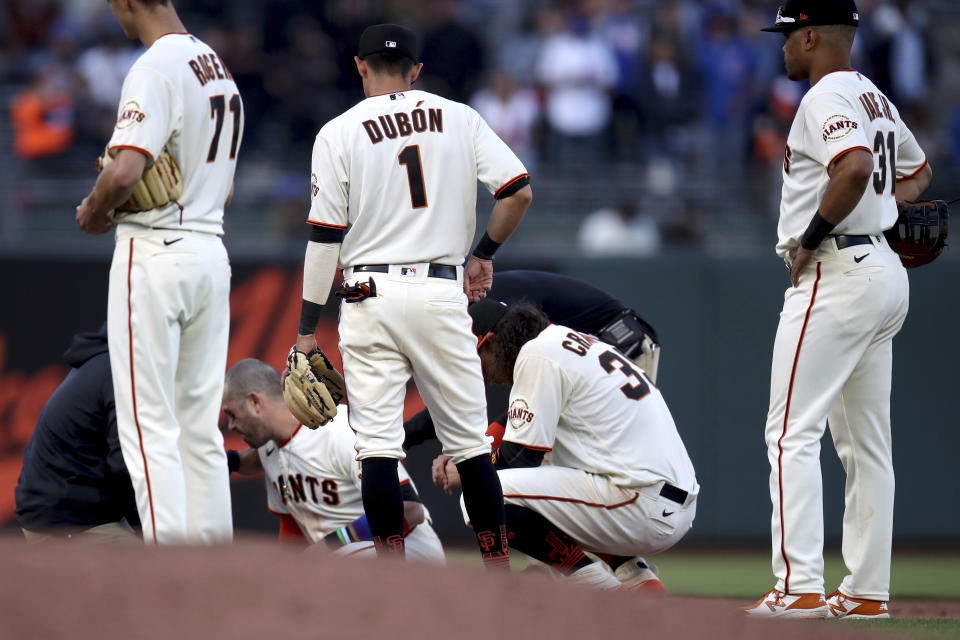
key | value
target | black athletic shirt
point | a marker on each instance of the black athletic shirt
(73, 472)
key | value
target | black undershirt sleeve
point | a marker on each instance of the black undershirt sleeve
(325, 235)
(513, 188)
(511, 455)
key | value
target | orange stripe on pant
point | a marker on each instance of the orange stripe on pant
(786, 417)
(133, 390)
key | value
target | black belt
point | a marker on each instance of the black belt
(670, 492)
(435, 270)
(851, 241)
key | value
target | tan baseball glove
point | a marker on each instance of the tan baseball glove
(305, 390)
(160, 184)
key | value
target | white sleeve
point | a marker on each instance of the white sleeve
(498, 166)
(834, 125)
(535, 402)
(145, 119)
(910, 157)
(329, 184)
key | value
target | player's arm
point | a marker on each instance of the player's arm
(499, 169)
(359, 529)
(913, 169)
(507, 214)
(911, 188)
(113, 187)
(327, 218)
(246, 462)
(418, 430)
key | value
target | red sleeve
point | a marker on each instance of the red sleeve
(496, 430)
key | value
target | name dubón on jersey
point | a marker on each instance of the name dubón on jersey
(391, 125)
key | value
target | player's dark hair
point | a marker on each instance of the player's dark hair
(253, 375)
(389, 64)
(155, 2)
(519, 325)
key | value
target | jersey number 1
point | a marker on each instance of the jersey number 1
(218, 107)
(410, 156)
(885, 151)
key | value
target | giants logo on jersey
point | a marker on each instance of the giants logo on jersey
(292, 489)
(519, 413)
(130, 114)
(838, 127)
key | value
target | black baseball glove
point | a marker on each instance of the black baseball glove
(920, 233)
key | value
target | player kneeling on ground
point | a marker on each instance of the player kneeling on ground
(618, 482)
(312, 476)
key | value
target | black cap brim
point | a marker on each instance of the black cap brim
(486, 314)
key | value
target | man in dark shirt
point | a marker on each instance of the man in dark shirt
(74, 483)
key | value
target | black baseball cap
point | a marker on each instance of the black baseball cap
(796, 14)
(486, 314)
(389, 38)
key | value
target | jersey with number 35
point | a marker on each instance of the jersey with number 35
(590, 408)
(180, 96)
(399, 172)
(842, 112)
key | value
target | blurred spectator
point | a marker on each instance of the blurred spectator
(453, 57)
(101, 70)
(619, 231)
(727, 66)
(511, 111)
(43, 116)
(669, 91)
(578, 72)
(618, 24)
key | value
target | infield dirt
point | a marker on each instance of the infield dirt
(254, 589)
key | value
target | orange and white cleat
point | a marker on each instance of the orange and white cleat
(776, 604)
(639, 577)
(840, 606)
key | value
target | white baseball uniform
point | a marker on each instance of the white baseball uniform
(399, 172)
(611, 447)
(168, 309)
(832, 355)
(314, 476)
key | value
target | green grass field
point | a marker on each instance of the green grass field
(746, 575)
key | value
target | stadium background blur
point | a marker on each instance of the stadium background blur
(654, 132)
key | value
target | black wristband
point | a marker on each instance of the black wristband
(486, 248)
(816, 232)
(233, 460)
(309, 317)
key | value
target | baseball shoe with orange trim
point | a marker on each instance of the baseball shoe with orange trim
(776, 604)
(841, 606)
(639, 577)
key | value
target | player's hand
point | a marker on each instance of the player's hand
(89, 221)
(305, 344)
(477, 278)
(801, 259)
(445, 474)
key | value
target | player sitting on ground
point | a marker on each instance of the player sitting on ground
(312, 476)
(619, 482)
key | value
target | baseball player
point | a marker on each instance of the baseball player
(848, 156)
(398, 174)
(73, 483)
(312, 476)
(619, 481)
(572, 303)
(168, 310)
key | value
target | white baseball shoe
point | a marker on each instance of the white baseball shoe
(841, 606)
(639, 577)
(776, 604)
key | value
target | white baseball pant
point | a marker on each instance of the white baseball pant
(416, 325)
(832, 359)
(168, 323)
